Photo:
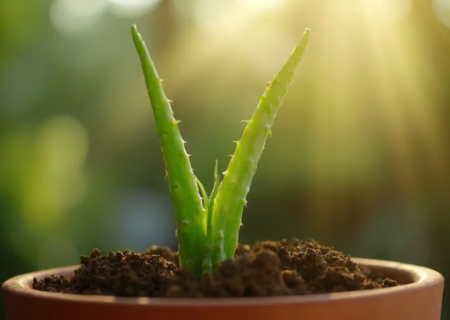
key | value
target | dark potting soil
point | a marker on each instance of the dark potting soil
(268, 268)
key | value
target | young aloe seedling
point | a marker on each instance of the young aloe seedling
(208, 230)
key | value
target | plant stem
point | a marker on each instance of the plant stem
(190, 215)
(231, 197)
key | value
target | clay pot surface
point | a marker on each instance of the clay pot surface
(419, 298)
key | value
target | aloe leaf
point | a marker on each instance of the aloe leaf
(190, 215)
(204, 194)
(231, 197)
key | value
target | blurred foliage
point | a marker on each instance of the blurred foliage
(359, 157)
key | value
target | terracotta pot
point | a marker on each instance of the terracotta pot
(419, 298)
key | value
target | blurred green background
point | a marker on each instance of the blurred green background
(360, 153)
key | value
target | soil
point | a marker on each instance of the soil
(268, 268)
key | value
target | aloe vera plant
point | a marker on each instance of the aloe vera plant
(208, 226)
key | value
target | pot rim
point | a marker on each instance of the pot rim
(421, 277)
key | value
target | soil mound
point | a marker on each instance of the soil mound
(287, 267)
